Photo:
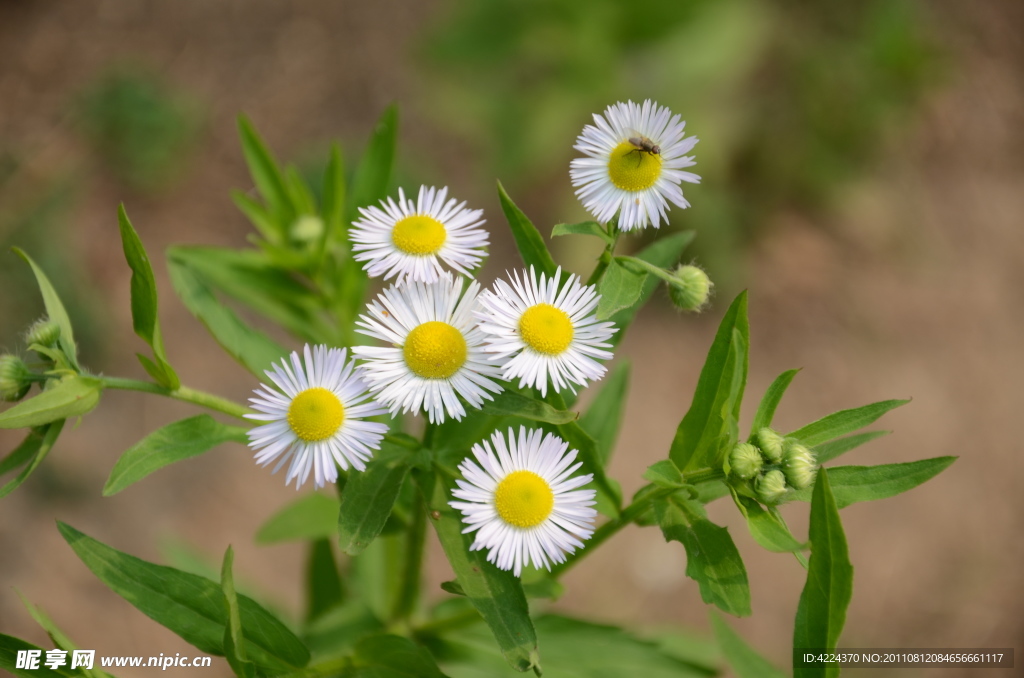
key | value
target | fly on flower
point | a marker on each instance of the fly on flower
(540, 330)
(315, 416)
(523, 501)
(636, 156)
(411, 240)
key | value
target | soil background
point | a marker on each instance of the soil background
(911, 287)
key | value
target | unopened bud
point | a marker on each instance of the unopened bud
(771, 444)
(745, 461)
(771, 487)
(799, 465)
(307, 228)
(690, 289)
(15, 378)
(44, 332)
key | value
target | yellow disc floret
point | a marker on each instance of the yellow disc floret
(435, 350)
(315, 414)
(419, 234)
(633, 169)
(546, 329)
(524, 499)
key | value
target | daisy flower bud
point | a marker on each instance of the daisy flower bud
(44, 332)
(799, 465)
(745, 461)
(771, 444)
(691, 290)
(771, 487)
(15, 378)
(307, 228)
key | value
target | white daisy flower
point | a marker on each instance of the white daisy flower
(636, 155)
(436, 351)
(410, 239)
(540, 330)
(314, 416)
(523, 502)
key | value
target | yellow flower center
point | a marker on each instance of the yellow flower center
(524, 499)
(546, 329)
(435, 350)
(632, 169)
(315, 414)
(419, 234)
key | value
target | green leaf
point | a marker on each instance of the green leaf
(55, 310)
(144, 301)
(47, 436)
(821, 612)
(189, 605)
(528, 239)
(766, 526)
(584, 228)
(843, 422)
(711, 558)
(324, 589)
(71, 397)
(372, 176)
(704, 432)
(603, 418)
(852, 484)
(23, 452)
(332, 205)
(59, 638)
(181, 440)
(266, 175)
(369, 497)
(609, 495)
(314, 516)
(9, 648)
(832, 449)
(234, 642)
(744, 660)
(770, 401)
(664, 474)
(258, 216)
(496, 594)
(388, 656)
(620, 288)
(253, 349)
(510, 403)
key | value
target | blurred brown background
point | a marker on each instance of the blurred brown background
(862, 176)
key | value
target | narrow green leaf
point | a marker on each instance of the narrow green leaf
(705, 429)
(144, 300)
(332, 205)
(744, 660)
(253, 349)
(59, 638)
(584, 228)
(20, 455)
(181, 440)
(372, 176)
(766, 526)
(604, 416)
(821, 612)
(388, 656)
(770, 401)
(620, 288)
(712, 559)
(258, 216)
(72, 397)
(664, 474)
(9, 648)
(496, 594)
(189, 605)
(510, 403)
(324, 589)
(609, 495)
(834, 448)
(843, 422)
(852, 484)
(234, 642)
(369, 497)
(528, 239)
(47, 437)
(54, 309)
(266, 174)
(301, 197)
(314, 516)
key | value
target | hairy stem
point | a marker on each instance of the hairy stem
(184, 393)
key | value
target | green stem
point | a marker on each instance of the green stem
(184, 393)
(409, 591)
(606, 256)
(650, 268)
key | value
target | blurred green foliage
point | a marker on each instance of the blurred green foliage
(139, 127)
(790, 97)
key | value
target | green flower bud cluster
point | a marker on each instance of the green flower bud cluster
(773, 465)
(690, 288)
(15, 378)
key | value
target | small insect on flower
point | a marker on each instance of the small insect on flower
(412, 239)
(522, 500)
(539, 329)
(436, 352)
(635, 164)
(315, 416)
